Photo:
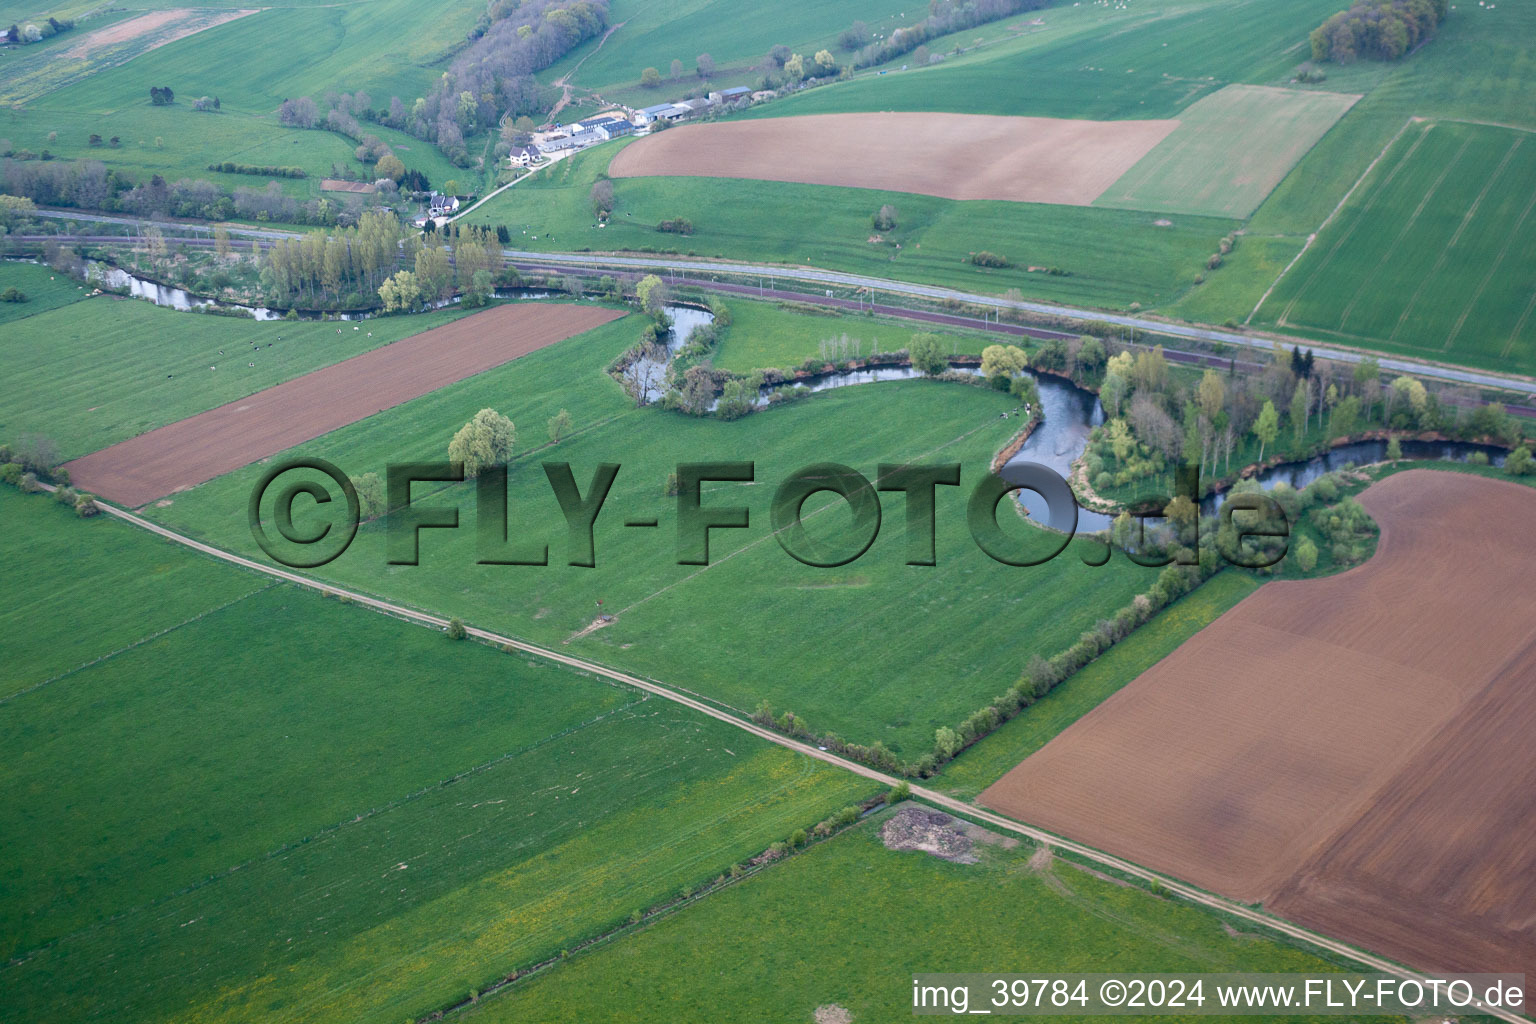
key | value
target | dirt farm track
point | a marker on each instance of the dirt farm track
(1353, 752)
(953, 156)
(186, 453)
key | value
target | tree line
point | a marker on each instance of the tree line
(230, 167)
(1154, 420)
(322, 269)
(469, 262)
(91, 185)
(37, 33)
(1378, 29)
(944, 17)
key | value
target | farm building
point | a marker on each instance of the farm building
(734, 94)
(694, 107)
(600, 121)
(576, 140)
(614, 129)
(650, 114)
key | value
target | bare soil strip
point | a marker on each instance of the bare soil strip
(953, 156)
(186, 21)
(1353, 751)
(186, 453)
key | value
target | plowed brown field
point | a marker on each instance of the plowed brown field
(954, 156)
(1354, 752)
(186, 453)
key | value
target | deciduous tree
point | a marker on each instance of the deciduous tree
(559, 425)
(1266, 427)
(928, 353)
(486, 440)
(1003, 361)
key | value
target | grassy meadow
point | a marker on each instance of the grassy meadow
(134, 588)
(1230, 150)
(1430, 256)
(385, 47)
(105, 369)
(232, 798)
(1477, 68)
(44, 288)
(768, 335)
(655, 32)
(849, 922)
(1107, 258)
(924, 640)
(1094, 61)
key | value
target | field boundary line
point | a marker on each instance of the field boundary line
(569, 882)
(1488, 277)
(141, 641)
(1514, 335)
(1403, 232)
(325, 831)
(1184, 890)
(1445, 252)
(1488, 124)
(1328, 220)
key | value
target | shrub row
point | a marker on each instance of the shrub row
(230, 167)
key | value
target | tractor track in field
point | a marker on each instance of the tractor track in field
(1057, 844)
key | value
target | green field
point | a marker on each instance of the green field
(1478, 68)
(1431, 255)
(134, 589)
(32, 10)
(44, 289)
(1110, 258)
(386, 47)
(651, 33)
(258, 784)
(36, 69)
(923, 638)
(1093, 61)
(1230, 150)
(226, 798)
(849, 923)
(105, 369)
(765, 335)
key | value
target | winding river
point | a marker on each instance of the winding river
(1071, 413)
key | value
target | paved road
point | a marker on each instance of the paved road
(1198, 896)
(1436, 371)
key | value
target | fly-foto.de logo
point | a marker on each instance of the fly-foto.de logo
(314, 510)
